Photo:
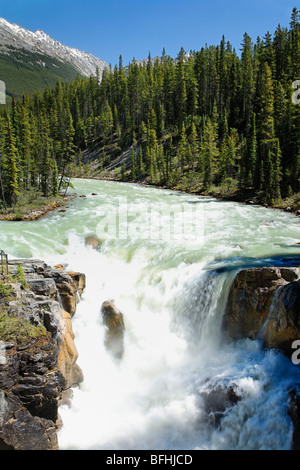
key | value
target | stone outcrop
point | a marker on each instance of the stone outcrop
(283, 325)
(70, 286)
(36, 370)
(263, 303)
(115, 328)
(217, 399)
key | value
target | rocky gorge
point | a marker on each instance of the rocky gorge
(38, 367)
(38, 370)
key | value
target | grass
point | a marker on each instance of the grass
(20, 276)
(15, 328)
(5, 290)
(29, 203)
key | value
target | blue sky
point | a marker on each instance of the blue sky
(133, 28)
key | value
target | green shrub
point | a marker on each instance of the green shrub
(20, 276)
(5, 290)
(18, 329)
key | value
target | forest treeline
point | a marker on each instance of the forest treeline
(211, 117)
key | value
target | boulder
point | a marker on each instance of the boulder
(93, 242)
(217, 400)
(283, 325)
(250, 298)
(114, 322)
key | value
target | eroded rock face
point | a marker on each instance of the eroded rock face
(30, 386)
(283, 325)
(251, 299)
(35, 372)
(68, 355)
(114, 322)
(264, 303)
(70, 286)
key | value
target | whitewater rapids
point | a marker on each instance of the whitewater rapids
(172, 293)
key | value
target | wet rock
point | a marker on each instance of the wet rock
(68, 355)
(217, 400)
(250, 299)
(92, 241)
(115, 328)
(70, 286)
(78, 281)
(283, 325)
(290, 274)
(60, 267)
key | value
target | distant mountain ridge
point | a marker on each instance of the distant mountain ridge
(33, 60)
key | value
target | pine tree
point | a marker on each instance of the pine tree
(133, 165)
(181, 93)
(183, 147)
(68, 147)
(251, 176)
(25, 146)
(10, 166)
(266, 124)
(209, 152)
(54, 179)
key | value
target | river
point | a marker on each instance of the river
(167, 259)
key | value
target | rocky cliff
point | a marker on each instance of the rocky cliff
(264, 303)
(37, 351)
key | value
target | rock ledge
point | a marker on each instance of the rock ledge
(36, 370)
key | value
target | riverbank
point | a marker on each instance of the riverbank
(247, 196)
(34, 209)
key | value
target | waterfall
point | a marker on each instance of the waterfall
(201, 305)
(273, 305)
(181, 383)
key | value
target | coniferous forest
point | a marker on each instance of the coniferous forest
(211, 118)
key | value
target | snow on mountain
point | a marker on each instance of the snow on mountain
(13, 36)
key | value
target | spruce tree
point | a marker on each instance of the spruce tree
(10, 166)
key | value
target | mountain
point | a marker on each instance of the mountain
(30, 61)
